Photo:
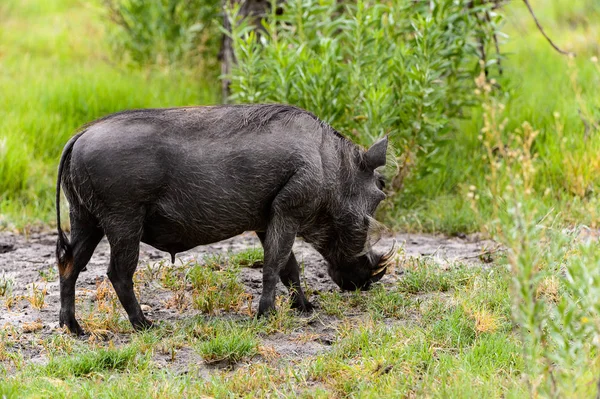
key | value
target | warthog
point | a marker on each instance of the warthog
(182, 177)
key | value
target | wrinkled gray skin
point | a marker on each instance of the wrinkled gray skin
(182, 177)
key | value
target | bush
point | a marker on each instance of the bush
(165, 32)
(402, 68)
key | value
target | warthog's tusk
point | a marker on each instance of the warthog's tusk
(385, 260)
(388, 255)
(381, 269)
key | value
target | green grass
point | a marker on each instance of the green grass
(93, 362)
(216, 287)
(57, 73)
(450, 339)
(227, 342)
(251, 257)
(6, 284)
(438, 332)
(424, 276)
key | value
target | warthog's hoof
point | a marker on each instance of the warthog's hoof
(142, 324)
(266, 308)
(72, 325)
(303, 306)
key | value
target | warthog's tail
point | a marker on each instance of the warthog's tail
(64, 250)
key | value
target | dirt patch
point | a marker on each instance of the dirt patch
(30, 264)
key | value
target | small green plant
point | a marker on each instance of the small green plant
(37, 296)
(284, 320)
(85, 364)
(379, 302)
(104, 314)
(215, 286)
(11, 300)
(172, 278)
(6, 284)
(57, 345)
(48, 275)
(251, 257)
(150, 271)
(389, 303)
(452, 328)
(339, 304)
(227, 342)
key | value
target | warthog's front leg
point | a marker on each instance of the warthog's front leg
(290, 277)
(277, 244)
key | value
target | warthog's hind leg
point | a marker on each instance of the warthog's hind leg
(124, 255)
(85, 236)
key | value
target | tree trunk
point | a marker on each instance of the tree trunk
(256, 10)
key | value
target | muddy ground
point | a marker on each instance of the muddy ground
(30, 260)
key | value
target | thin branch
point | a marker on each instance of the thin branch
(496, 44)
(483, 55)
(586, 125)
(544, 33)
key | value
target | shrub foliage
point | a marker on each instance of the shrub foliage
(368, 68)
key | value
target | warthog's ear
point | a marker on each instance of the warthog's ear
(375, 156)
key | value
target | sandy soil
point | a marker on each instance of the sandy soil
(30, 260)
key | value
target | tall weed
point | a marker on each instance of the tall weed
(555, 270)
(165, 32)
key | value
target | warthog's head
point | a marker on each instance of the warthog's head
(361, 271)
(347, 246)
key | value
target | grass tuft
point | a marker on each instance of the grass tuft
(251, 257)
(87, 364)
(216, 288)
(423, 275)
(226, 342)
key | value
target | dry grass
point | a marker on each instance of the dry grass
(485, 321)
(37, 296)
(549, 289)
(104, 314)
(32, 326)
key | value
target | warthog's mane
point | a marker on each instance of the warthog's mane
(261, 114)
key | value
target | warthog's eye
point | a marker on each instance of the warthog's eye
(379, 181)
